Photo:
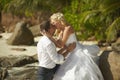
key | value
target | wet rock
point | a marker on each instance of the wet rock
(110, 62)
(3, 73)
(110, 65)
(13, 61)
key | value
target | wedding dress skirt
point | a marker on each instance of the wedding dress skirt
(80, 64)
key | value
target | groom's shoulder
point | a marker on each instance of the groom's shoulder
(45, 40)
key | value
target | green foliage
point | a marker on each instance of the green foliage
(72, 14)
(94, 18)
(29, 7)
(26, 7)
(108, 6)
(79, 14)
(98, 18)
(111, 31)
(3, 3)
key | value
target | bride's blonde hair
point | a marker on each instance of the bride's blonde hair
(58, 16)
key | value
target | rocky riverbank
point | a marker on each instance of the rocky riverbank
(19, 62)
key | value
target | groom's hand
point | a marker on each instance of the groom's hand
(71, 46)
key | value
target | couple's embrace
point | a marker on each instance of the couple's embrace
(73, 61)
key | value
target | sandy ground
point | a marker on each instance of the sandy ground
(7, 50)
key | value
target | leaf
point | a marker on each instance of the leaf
(110, 6)
(111, 31)
(86, 15)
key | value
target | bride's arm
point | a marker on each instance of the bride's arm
(56, 42)
(62, 38)
(66, 33)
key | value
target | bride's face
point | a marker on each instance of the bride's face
(57, 23)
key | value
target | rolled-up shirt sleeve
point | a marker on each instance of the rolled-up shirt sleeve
(52, 52)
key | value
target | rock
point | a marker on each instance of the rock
(21, 35)
(35, 30)
(116, 46)
(3, 73)
(19, 49)
(1, 29)
(23, 73)
(13, 61)
(110, 62)
(23, 60)
(0, 36)
(110, 65)
(35, 57)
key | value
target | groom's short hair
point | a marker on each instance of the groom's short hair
(45, 25)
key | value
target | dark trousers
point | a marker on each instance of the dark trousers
(46, 74)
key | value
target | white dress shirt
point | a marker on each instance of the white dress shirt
(47, 54)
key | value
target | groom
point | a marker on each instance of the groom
(48, 57)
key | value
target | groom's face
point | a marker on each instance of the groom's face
(52, 30)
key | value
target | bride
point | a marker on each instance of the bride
(82, 63)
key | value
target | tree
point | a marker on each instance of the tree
(28, 7)
(38, 10)
(94, 17)
(111, 10)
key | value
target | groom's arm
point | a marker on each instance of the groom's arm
(62, 50)
(65, 50)
(52, 52)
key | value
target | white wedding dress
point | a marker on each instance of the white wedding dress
(80, 64)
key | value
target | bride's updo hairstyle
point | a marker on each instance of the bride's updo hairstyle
(58, 17)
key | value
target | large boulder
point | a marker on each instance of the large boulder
(116, 46)
(3, 73)
(110, 63)
(22, 73)
(21, 35)
(18, 68)
(1, 28)
(35, 30)
(14, 61)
